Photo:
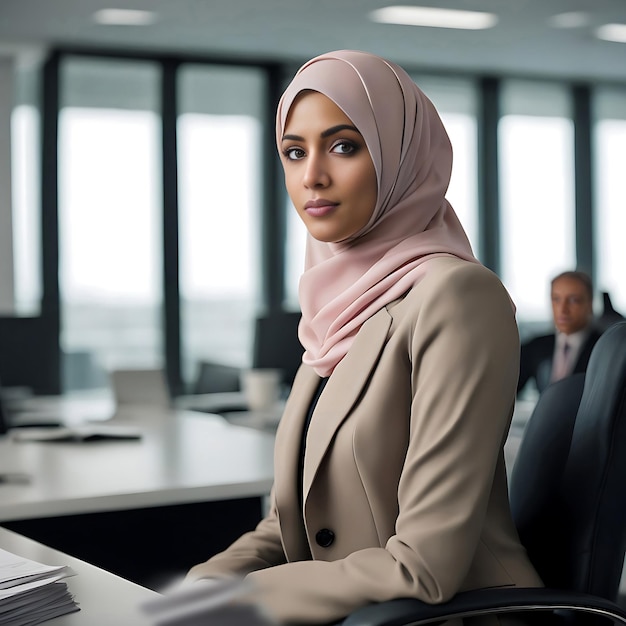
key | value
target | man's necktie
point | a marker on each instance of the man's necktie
(561, 367)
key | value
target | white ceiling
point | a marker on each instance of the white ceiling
(523, 42)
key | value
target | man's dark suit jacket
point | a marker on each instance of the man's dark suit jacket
(536, 359)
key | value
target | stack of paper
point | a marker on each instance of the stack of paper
(31, 593)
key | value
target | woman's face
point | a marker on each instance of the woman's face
(329, 174)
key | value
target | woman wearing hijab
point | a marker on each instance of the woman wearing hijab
(389, 467)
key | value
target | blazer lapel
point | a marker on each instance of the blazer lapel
(343, 390)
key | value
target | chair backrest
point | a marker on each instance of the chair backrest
(609, 315)
(568, 485)
(217, 377)
(276, 344)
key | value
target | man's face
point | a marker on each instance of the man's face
(572, 307)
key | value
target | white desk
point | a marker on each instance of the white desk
(522, 412)
(521, 415)
(105, 599)
(182, 457)
(189, 487)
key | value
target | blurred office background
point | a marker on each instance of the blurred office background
(143, 220)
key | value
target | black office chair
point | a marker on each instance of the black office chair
(216, 377)
(609, 315)
(276, 343)
(568, 498)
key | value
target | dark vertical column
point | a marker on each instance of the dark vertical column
(171, 286)
(50, 303)
(488, 173)
(583, 178)
(273, 218)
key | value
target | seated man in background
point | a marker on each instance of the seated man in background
(549, 358)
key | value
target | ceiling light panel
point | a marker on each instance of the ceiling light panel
(434, 18)
(124, 17)
(573, 19)
(612, 32)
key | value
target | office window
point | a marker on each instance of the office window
(295, 244)
(455, 100)
(220, 192)
(294, 255)
(110, 259)
(26, 182)
(537, 222)
(610, 184)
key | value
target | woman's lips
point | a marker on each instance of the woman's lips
(319, 208)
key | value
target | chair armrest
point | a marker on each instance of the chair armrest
(403, 611)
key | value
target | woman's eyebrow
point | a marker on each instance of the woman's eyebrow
(335, 129)
(324, 134)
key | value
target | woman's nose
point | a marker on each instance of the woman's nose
(316, 173)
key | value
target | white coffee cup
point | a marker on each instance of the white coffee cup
(261, 388)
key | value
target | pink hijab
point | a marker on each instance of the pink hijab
(345, 283)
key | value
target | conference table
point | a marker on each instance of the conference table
(104, 599)
(144, 509)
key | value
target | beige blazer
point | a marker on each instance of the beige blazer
(405, 490)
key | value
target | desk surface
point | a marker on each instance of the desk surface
(104, 599)
(183, 457)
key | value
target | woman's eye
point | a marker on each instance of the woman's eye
(293, 154)
(344, 147)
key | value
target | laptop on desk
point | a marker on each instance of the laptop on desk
(59, 419)
(140, 387)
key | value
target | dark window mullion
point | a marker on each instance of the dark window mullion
(583, 177)
(51, 297)
(273, 218)
(488, 173)
(171, 286)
